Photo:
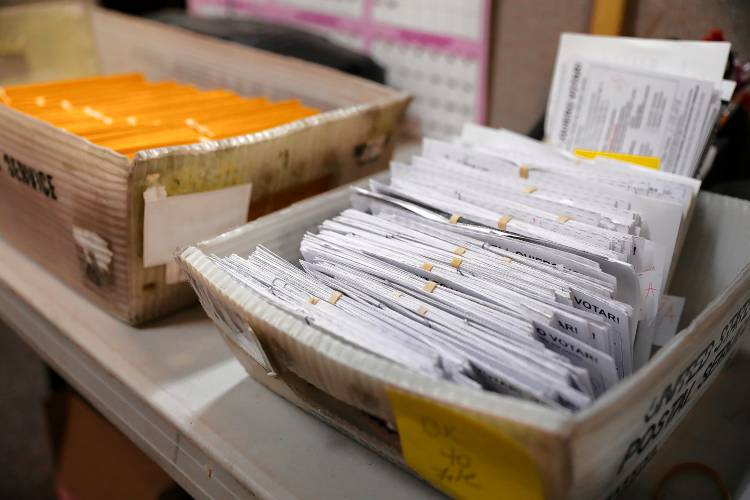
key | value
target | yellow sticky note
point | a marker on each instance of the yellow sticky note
(644, 161)
(460, 454)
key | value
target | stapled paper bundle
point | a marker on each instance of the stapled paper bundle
(470, 266)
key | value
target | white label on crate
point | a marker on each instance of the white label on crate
(96, 254)
(172, 222)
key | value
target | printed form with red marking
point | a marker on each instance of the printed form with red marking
(651, 98)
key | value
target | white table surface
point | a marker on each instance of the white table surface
(174, 388)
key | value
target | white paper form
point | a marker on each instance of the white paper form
(605, 107)
(694, 59)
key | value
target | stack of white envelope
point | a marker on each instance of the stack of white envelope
(658, 98)
(493, 261)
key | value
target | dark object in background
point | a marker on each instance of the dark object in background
(279, 39)
(26, 461)
(537, 131)
(142, 7)
(730, 173)
(98, 461)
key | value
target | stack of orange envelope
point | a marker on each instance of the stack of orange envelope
(126, 113)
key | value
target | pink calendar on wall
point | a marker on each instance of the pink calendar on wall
(437, 50)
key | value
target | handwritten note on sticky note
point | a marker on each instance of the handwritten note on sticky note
(644, 161)
(461, 455)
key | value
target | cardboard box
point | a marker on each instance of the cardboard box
(516, 445)
(78, 209)
(98, 461)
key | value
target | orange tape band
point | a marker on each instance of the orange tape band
(335, 296)
(502, 222)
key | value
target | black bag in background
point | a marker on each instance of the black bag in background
(280, 39)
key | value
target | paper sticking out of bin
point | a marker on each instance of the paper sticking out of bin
(643, 97)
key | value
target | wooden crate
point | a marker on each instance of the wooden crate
(78, 209)
(590, 454)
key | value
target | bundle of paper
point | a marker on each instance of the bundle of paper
(471, 266)
(652, 98)
(127, 114)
